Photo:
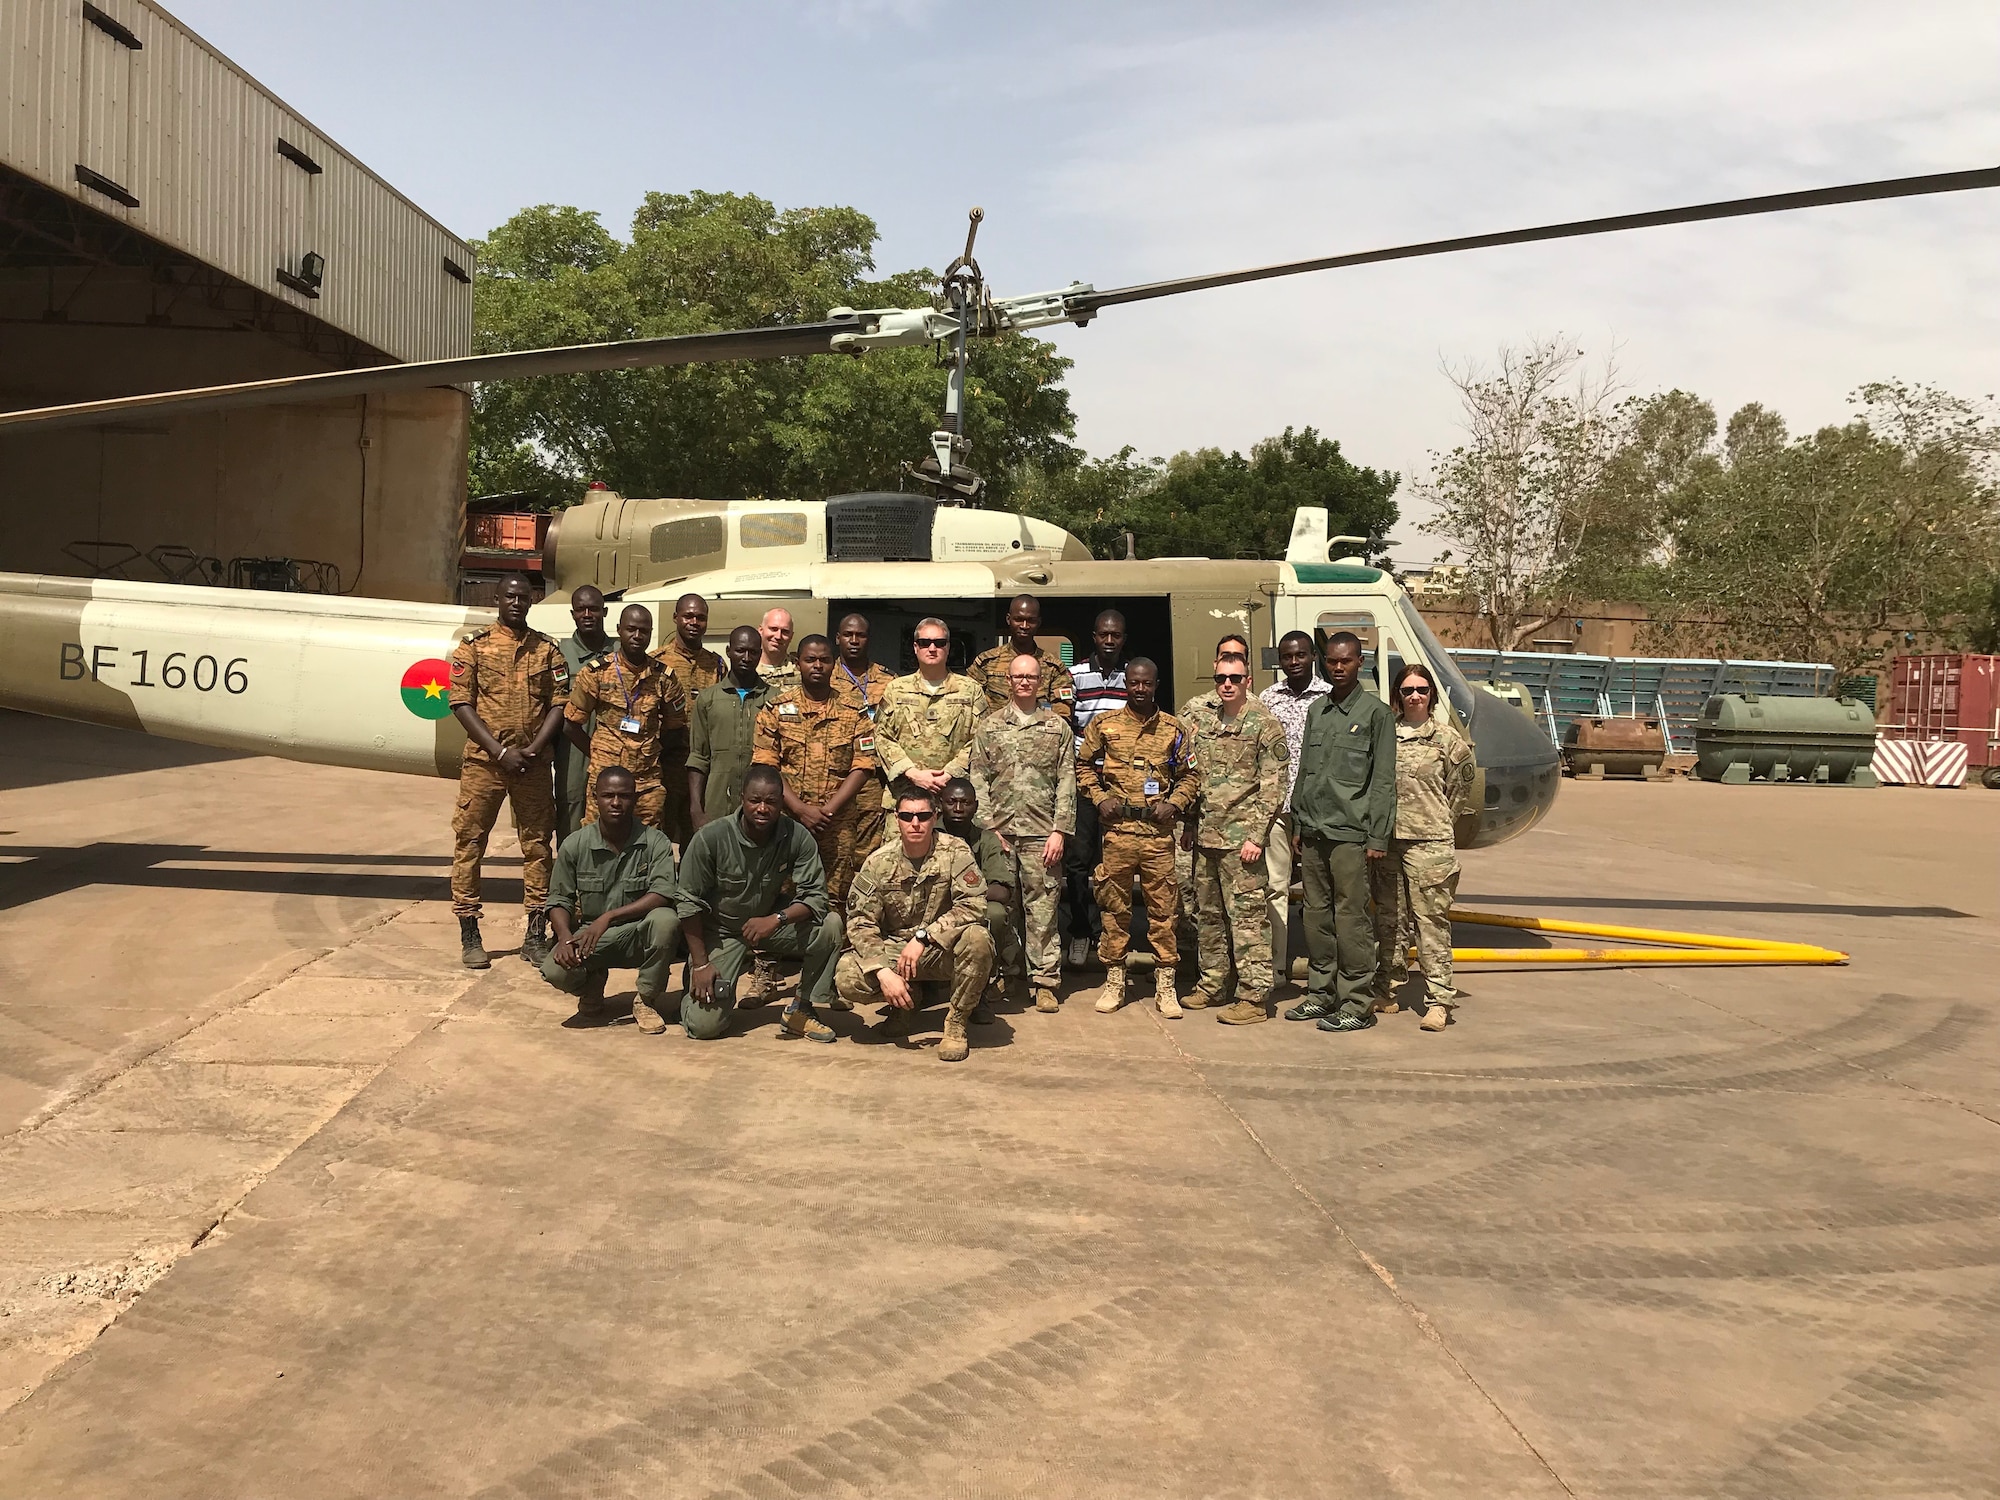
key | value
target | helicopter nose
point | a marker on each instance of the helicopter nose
(1523, 771)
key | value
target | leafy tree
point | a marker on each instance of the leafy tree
(1821, 549)
(1207, 503)
(795, 428)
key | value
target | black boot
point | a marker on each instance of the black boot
(535, 946)
(472, 952)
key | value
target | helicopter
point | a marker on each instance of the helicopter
(364, 683)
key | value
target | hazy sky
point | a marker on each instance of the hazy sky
(1113, 142)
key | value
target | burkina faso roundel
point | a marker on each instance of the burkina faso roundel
(427, 688)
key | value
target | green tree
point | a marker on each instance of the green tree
(796, 428)
(1207, 503)
(1819, 549)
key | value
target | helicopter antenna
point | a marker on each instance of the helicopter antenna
(963, 291)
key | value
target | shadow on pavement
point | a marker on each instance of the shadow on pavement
(1795, 908)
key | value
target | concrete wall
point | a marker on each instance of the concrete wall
(376, 487)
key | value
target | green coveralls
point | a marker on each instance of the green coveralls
(1343, 804)
(722, 736)
(592, 878)
(727, 879)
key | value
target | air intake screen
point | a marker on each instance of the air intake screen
(879, 528)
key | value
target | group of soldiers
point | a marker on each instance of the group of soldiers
(911, 839)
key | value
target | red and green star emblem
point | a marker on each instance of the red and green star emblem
(427, 689)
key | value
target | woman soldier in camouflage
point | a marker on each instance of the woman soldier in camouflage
(1434, 778)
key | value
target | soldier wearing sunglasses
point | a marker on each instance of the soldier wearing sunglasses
(923, 734)
(1243, 784)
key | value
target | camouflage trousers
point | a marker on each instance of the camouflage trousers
(1029, 945)
(1412, 892)
(482, 788)
(1233, 925)
(841, 852)
(965, 963)
(869, 818)
(1150, 857)
(650, 808)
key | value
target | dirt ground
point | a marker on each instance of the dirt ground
(292, 1204)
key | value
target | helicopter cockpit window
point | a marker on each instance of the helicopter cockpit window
(700, 541)
(1363, 625)
(773, 529)
(1455, 686)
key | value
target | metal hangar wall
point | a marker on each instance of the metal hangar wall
(167, 222)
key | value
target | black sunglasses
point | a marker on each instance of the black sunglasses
(1415, 692)
(914, 817)
(1229, 676)
(933, 640)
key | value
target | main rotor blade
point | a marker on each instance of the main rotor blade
(627, 354)
(1734, 208)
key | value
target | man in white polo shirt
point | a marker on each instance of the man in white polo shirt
(1287, 700)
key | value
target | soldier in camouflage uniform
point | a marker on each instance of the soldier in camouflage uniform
(694, 667)
(861, 684)
(923, 732)
(990, 669)
(1138, 765)
(508, 684)
(825, 750)
(1023, 771)
(775, 665)
(916, 914)
(1415, 886)
(1243, 785)
(629, 697)
(586, 645)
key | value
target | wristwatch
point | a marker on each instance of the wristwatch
(922, 935)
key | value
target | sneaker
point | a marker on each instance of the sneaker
(1436, 1017)
(471, 950)
(646, 1018)
(1242, 1013)
(1313, 1008)
(799, 1021)
(1347, 1020)
(1045, 1000)
(1079, 952)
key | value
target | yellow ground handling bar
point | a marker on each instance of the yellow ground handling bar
(1689, 947)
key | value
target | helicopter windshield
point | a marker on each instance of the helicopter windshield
(1455, 686)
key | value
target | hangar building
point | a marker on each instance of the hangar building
(166, 222)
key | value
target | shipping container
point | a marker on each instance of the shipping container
(1948, 696)
(503, 531)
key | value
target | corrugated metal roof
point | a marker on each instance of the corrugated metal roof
(174, 125)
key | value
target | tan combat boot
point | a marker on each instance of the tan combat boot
(1436, 1017)
(1114, 989)
(1045, 1000)
(954, 1046)
(1163, 993)
(646, 1015)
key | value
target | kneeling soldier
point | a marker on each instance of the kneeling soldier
(611, 903)
(752, 888)
(916, 912)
